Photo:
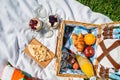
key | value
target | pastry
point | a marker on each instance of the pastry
(78, 41)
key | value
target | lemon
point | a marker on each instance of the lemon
(89, 39)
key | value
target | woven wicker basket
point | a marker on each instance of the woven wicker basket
(60, 42)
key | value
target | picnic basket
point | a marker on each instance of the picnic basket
(61, 42)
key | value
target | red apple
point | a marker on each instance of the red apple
(89, 51)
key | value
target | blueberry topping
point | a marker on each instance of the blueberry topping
(52, 20)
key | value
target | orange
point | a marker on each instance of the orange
(89, 39)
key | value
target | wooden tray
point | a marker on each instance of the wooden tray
(43, 64)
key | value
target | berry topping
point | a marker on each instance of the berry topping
(33, 23)
(52, 20)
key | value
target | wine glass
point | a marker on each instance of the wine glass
(41, 13)
(35, 26)
(52, 22)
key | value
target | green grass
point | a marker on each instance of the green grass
(110, 8)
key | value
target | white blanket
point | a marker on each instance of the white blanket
(15, 33)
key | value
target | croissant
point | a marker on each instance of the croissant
(78, 41)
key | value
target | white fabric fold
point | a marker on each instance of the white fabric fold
(15, 33)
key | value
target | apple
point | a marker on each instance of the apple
(89, 51)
